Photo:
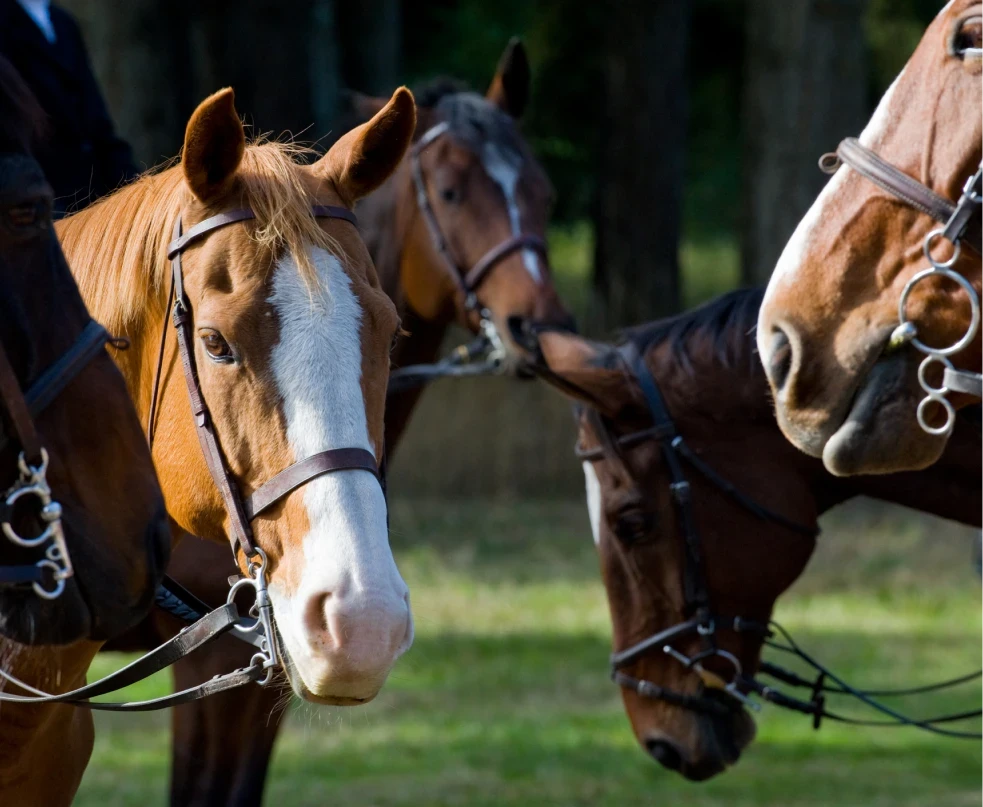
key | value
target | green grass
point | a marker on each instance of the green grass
(504, 699)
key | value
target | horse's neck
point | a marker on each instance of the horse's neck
(384, 230)
(385, 218)
(422, 346)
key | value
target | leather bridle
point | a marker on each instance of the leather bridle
(961, 225)
(241, 510)
(486, 355)
(205, 624)
(702, 620)
(48, 575)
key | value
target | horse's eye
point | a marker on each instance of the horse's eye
(450, 195)
(216, 347)
(633, 524)
(968, 37)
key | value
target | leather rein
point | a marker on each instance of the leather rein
(486, 354)
(208, 624)
(48, 575)
(961, 225)
(703, 621)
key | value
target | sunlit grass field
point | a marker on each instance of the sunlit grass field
(504, 699)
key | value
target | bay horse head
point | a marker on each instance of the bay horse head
(657, 491)
(103, 558)
(473, 203)
(291, 338)
(844, 390)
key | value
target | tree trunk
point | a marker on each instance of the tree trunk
(805, 89)
(638, 205)
(139, 57)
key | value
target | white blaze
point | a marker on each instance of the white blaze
(505, 169)
(593, 501)
(318, 367)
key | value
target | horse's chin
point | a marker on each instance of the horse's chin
(880, 433)
(301, 689)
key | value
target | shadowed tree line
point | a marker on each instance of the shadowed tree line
(659, 120)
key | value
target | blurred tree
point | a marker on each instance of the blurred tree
(805, 88)
(640, 167)
(139, 54)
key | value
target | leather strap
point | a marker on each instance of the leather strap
(18, 412)
(20, 576)
(205, 630)
(488, 261)
(48, 386)
(241, 530)
(888, 177)
(336, 459)
(240, 512)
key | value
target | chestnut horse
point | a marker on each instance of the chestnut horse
(844, 389)
(108, 540)
(750, 547)
(484, 189)
(290, 335)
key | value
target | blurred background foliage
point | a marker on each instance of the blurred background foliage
(681, 137)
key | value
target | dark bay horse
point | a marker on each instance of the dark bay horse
(746, 549)
(847, 379)
(64, 411)
(474, 173)
(273, 358)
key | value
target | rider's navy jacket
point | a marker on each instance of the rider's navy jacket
(81, 154)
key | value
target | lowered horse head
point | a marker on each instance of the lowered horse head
(98, 469)
(291, 338)
(843, 389)
(472, 204)
(749, 549)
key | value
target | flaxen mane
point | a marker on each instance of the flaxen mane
(119, 245)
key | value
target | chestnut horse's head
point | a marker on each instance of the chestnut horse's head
(832, 303)
(471, 188)
(292, 335)
(746, 560)
(99, 469)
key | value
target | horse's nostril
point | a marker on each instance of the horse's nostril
(780, 360)
(665, 753)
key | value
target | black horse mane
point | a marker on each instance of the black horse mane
(22, 121)
(431, 92)
(727, 321)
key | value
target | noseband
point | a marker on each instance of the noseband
(47, 577)
(961, 225)
(487, 353)
(702, 621)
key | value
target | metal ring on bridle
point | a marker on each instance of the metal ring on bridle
(935, 395)
(964, 341)
(927, 249)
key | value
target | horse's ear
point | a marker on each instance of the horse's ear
(509, 89)
(214, 143)
(579, 369)
(365, 157)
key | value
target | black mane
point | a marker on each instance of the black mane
(22, 121)
(728, 321)
(431, 92)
